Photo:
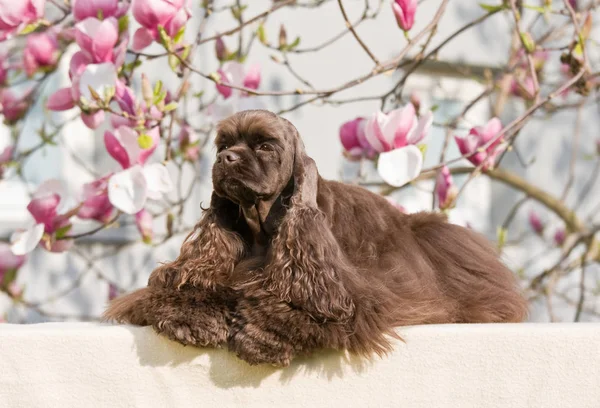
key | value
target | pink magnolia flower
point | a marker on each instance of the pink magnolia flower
(95, 203)
(129, 189)
(404, 11)
(233, 73)
(478, 137)
(83, 9)
(102, 78)
(48, 225)
(170, 14)
(394, 136)
(235, 100)
(188, 143)
(559, 236)
(354, 139)
(134, 109)
(524, 89)
(15, 13)
(41, 51)
(12, 107)
(8, 260)
(143, 221)
(445, 189)
(535, 222)
(124, 146)
(5, 157)
(399, 128)
(98, 38)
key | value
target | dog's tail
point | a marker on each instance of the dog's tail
(470, 272)
(132, 308)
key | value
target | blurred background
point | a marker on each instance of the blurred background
(465, 62)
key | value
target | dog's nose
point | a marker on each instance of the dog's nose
(228, 157)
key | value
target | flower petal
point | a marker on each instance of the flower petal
(116, 149)
(93, 120)
(144, 154)
(8, 260)
(23, 242)
(252, 78)
(419, 132)
(398, 125)
(158, 180)
(60, 100)
(99, 77)
(373, 132)
(400, 166)
(127, 190)
(141, 39)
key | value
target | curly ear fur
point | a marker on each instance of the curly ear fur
(304, 260)
(209, 254)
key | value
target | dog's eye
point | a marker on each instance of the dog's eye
(221, 148)
(265, 147)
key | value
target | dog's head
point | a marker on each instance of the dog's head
(259, 155)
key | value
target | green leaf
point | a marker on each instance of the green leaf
(9, 277)
(198, 94)
(169, 107)
(434, 108)
(492, 8)
(145, 141)
(179, 36)
(157, 87)
(260, 32)
(501, 235)
(109, 92)
(539, 9)
(62, 232)
(123, 23)
(293, 45)
(30, 28)
(164, 38)
(528, 42)
(159, 98)
(173, 62)
(185, 53)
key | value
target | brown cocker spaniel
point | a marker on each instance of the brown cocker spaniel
(285, 262)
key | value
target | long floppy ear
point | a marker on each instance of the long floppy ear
(209, 253)
(305, 264)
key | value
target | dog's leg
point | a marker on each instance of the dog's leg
(187, 315)
(265, 330)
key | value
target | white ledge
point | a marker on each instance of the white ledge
(90, 365)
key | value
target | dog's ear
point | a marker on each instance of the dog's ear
(305, 175)
(209, 253)
(305, 265)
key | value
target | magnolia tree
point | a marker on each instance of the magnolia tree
(549, 66)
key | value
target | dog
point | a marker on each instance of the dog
(284, 263)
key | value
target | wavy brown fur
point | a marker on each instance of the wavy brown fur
(285, 262)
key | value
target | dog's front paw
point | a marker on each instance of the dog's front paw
(259, 347)
(198, 334)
